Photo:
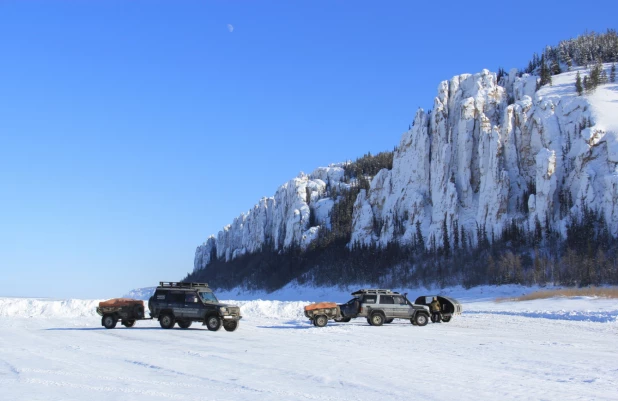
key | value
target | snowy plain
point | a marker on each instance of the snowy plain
(555, 349)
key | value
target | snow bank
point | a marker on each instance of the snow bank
(45, 308)
(72, 308)
(292, 310)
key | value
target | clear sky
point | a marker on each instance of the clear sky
(132, 130)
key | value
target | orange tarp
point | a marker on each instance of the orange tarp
(119, 302)
(321, 305)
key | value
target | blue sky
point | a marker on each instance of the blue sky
(132, 130)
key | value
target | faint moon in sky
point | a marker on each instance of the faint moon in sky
(230, 28)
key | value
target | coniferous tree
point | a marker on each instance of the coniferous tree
(603, 78)
(578, 84)
(587, 86)
(419, 236)
(612, 74)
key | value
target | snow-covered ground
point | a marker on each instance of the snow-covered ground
(556, 349)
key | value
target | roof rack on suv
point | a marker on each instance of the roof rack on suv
(171, 284)
(373, 291)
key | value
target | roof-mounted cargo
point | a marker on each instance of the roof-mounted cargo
(172, 284)
(373, 291)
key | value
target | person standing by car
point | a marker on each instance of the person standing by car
(434, 306)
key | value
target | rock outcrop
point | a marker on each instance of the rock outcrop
(488, 153)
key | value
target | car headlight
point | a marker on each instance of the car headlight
(223, 310)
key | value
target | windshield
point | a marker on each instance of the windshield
(208, 297)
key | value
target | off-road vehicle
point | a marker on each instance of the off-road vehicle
(383, 306)
(185, 303)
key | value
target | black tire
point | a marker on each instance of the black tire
(109, 321)
(320, 320)
(213, 322)
(128, 323)
(413, 322)
(376, 319)
(167, 321)
(421, 319)
(231, 325)
(184, 324)
(446, 319)
(389, 321)
(138, 311)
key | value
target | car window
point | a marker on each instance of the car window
(176, 297)
(353, 300)
(386, 299)
(190, 297)
(399, 300)
(370, 299)
(208, 297)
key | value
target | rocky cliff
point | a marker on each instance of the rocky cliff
(489, 152)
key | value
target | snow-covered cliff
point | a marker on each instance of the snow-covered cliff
(278, 221)
(487, 153)
(475, 159)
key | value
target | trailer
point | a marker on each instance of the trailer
(124, 310)
(319, 314)
(449, 307)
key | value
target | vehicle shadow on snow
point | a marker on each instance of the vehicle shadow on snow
(103, 328)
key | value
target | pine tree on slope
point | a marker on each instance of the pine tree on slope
(578, 84)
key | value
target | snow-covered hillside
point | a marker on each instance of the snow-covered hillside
(487, 151)
(553, 349)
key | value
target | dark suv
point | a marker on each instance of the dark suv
(185, 303)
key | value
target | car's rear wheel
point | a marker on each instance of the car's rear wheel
(109, 321)
(421, 319)
(377, 319)
(167, 321)
(213, 323)
(230, 325)
(446, 319)
(185, 324)
(128, 323)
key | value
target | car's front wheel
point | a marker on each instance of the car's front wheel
(213, 323)
(167, 321)
(320, 321)
(109, 321)
(230, 325)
